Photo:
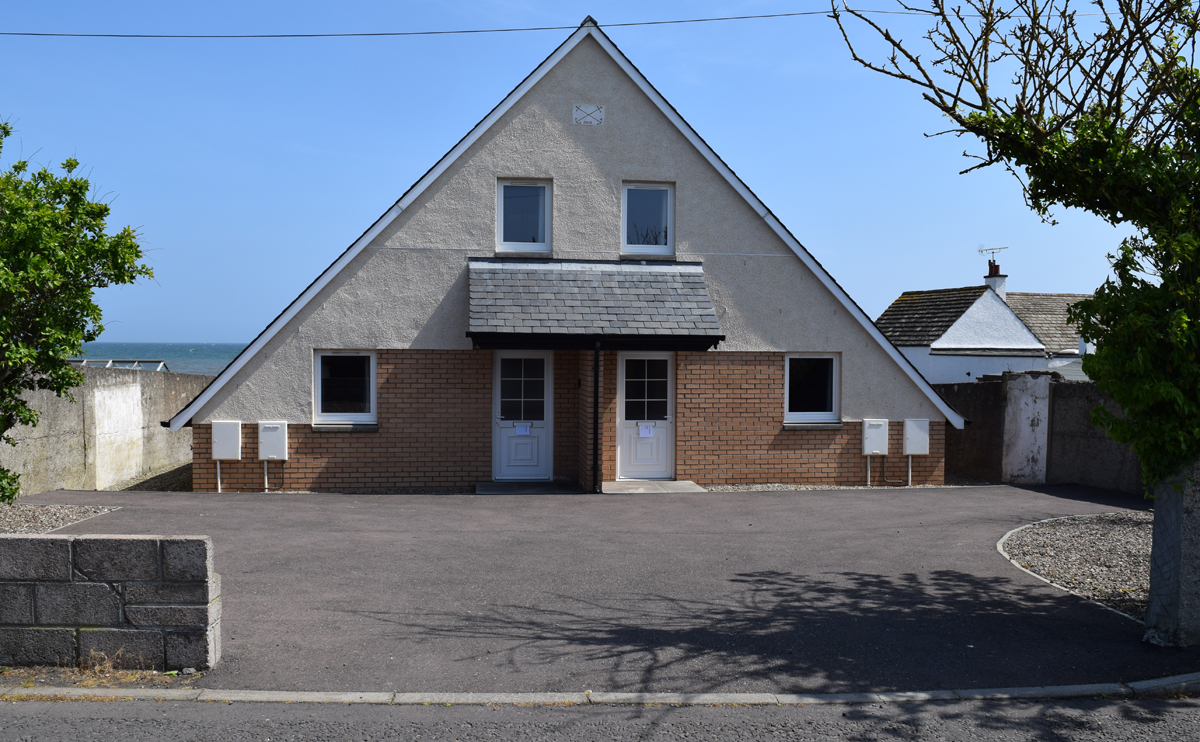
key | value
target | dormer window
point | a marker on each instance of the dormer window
(523, 216)
(648, 219)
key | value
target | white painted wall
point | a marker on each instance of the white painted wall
(958, 369)
(989, 323)
(1026, 430)
(118, 433)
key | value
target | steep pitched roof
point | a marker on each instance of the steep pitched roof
(1046, 316)
(921, 317)
(587, 29)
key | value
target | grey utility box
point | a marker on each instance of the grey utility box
(272, 440)
(875, 437)
(227, 440)
(916, 437)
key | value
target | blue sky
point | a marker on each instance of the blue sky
(247, 166)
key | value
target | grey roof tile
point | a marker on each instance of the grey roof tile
(1046, 316)
(921, 317)
(577, 297)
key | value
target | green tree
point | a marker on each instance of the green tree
(53, 253)
(1099, 111)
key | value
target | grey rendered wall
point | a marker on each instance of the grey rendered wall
(1081, 453)
(109, 436)
(409, 288)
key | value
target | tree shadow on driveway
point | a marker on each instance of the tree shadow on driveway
(781, 632)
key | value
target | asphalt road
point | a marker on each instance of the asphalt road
(826, 591)
(1176, 719)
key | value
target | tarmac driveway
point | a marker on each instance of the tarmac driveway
(825, 591)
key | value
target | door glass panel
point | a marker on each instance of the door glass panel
(646, 389)
(510, 368)
(535, 389)
(523, 389)
(535, 368)
(534, 409)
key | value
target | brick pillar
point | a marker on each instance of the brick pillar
(1173, 616)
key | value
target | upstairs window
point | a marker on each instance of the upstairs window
(811, 389)
(648, 221)
(344, 391)
(523, 216)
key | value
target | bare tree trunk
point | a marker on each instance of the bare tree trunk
(1173, 616)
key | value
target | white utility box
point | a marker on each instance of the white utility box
(272, 440)
(227, 440)
(916, 437)
(875, 437)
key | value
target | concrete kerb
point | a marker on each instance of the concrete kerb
(1013, 562)
(1169, 686)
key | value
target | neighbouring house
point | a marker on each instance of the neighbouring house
(958, 335)
(580, 291)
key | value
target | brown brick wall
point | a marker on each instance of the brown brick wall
(435, 409)
(729, 430)
(435, 430)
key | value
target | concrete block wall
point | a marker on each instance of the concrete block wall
(109, 436)
(145, 602)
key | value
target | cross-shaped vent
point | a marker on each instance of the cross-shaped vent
(588, 114)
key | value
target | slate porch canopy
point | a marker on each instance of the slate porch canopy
(573, 305)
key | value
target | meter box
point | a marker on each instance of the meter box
(875, 437)
(272, 440)
(916, 437)
(227, 440)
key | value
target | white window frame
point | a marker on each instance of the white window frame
(343, 418)
(834, 416)
(501, 245)
(667, 249)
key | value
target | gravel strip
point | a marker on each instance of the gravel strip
(1105, 557)
(20, 518)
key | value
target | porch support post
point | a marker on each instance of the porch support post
(596, 418)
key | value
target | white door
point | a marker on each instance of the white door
(645, 416)
(523, 412)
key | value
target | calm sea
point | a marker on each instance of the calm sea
(182, 358)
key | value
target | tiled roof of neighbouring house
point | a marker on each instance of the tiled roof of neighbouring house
(921, 317)
(1046, 316)
(590, 298)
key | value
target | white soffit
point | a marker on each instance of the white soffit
(413, 193)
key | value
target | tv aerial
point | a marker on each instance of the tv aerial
(992, 251)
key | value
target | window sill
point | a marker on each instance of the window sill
(813, 426)
(346, 427)
(504, 252)
(648, 256)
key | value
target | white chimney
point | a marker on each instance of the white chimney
(996, 280)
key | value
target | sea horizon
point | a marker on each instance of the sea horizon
(208, 359)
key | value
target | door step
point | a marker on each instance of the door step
(649, 486)
(526, 488)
